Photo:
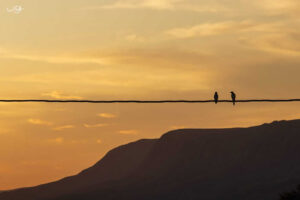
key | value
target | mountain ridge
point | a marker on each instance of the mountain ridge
(198, 162)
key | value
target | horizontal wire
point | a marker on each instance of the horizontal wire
(142, 101)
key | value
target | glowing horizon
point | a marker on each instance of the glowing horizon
(135, 49)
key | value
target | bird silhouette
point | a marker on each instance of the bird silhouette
(216, 97)
(233, 97)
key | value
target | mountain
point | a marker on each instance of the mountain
(256, 163)
(293, 195)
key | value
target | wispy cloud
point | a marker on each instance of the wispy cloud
(98, 141)
(2, 50)
(79, 141)
(60, 95)
(282, 44)
(58, 140)
(136, 4)
(128, 132)
(171, 5)
(107, 115)
(163, 69)
(134, 38)
(39, 122)
(177, 127)
(94, 125)
(72, 59)
(210, 29)
(279, 7)
(4, 130)
(61, 128)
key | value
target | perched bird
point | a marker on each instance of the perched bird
(233, 97)
(216, 97)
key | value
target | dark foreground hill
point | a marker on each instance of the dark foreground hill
(255, 163)
(293, 195)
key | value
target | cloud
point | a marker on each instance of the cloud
(163, 69)
(78, 142)
(177, 127)
(58, 140)
(279, 7)
(94, 125)
(137, 4)
(283, 43)
(2, 50)
(107, 115)
(134, 38)
(55, 59)
(39, 122)
(171, 5)
(60, 95)
(128, 132)
(99, 141)
(61, 128)
(4, 130)
(210, 29)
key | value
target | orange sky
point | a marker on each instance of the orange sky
(135, 49)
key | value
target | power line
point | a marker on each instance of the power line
(141, 101)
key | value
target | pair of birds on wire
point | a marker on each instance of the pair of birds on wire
(233, 97)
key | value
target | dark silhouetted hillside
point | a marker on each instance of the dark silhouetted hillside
(255, 163)
(293, 195)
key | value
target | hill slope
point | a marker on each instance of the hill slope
(255, 163)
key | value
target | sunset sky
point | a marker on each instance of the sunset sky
(135, 49)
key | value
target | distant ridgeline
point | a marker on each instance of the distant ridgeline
(256, 163)
(293, 195)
